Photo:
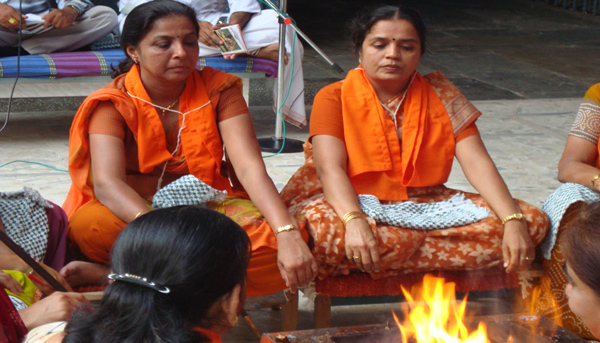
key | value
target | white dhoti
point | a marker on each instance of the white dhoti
(262, 30)
(90, 26)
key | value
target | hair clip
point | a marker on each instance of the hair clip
(140, 281)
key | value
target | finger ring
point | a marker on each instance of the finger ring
(527, 258)
(356, 258)
(12, 21)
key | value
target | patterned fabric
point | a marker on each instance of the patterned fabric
(557, 204)
(460, 109)
(98, 63)
(547, 296)
(587, 122)
(24, 217)
(456, 211)
(187, 190)
(402, 250)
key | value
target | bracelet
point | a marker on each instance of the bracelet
(596, 177)
(139, 214)
(516, 216)
(288, 227)
(352, 215)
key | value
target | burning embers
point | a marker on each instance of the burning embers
(436, 317)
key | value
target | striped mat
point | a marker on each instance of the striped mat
(98, 63)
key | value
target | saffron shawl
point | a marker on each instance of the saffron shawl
(200, 139)
(427, 152)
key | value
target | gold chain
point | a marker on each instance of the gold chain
(168, 107)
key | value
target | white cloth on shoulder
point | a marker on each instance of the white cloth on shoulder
(557, 204)
(456, 211)
(187, 190)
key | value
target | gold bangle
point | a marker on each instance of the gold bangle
(352, 215)
(288, 227)
(596, 177)
(516, 216)
(139, 214)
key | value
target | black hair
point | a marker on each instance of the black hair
(580, 242)
(141, 20)
(364, 21)
(199, 254)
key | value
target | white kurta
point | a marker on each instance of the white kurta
(261, 30)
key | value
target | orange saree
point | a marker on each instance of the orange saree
(409, 163)
(93, 227)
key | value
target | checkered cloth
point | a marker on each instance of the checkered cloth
(187, 190)
(557, 204)
(456, 211)
(24, 217)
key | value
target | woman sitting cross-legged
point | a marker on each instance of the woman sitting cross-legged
(178, 276)
(579, 169)
(387, 135)
(162, 120)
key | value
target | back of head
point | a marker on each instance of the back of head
(197, 254)
(361, 25)
(141, 20)
(581, 245)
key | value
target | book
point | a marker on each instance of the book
(34, 24)
(233, 40)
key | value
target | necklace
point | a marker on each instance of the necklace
(168, 108)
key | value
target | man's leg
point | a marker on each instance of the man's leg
(94, 24)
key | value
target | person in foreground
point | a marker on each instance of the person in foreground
(389, 132)
(178, 276)
(158, 121)
(579, 170)
(580, 248)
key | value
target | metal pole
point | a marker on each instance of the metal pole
(280, 72)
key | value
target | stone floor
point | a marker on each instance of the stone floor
(523, 63)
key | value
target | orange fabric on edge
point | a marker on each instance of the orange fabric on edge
(211, 335)
(94, 229)
(377, 164)
(200, 140)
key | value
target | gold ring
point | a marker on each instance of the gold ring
(527, 258)
(356, 259)
(12, 21)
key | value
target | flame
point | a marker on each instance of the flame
(435, 316)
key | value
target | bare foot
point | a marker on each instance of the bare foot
(270, 52)
(80, 273)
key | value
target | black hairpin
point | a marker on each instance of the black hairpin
(140, 281)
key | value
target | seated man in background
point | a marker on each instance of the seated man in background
(73, 25)
(261, 34)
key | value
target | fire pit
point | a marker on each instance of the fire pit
(517, 328)
(432, 314)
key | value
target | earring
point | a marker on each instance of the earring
(359, 61)
(135, 60)
(236, 320)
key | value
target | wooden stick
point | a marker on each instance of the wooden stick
(31, 262)
(250, 323)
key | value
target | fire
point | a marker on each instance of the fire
(436, 317)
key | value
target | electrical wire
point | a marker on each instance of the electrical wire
(38, 163)
(12, 92)
(279, 115)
